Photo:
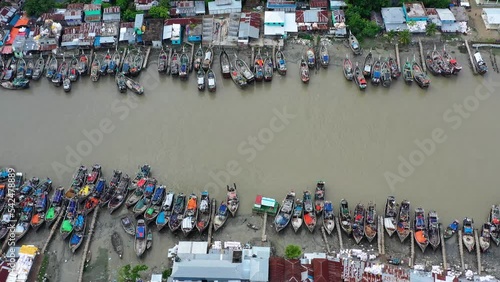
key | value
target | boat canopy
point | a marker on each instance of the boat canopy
(308, 219)
(67, 226)
(75, 239)
(141, 230)
(420, 236)
(161, 218)
(191, 204)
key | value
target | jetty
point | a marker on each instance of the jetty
(273, 56)
(380, 236)
(461, 248)
(122, 58)
(411, 261)
(264, 224)
(168, 60)
(397, 56)
(87, 244)
(422, 58)
(252, 59)
(339, 232)
(478, 252)
(474, 69)
(325, 238)
(211, 225)
(191, 65)
(145, 63)
(443, 247)
(91, 61)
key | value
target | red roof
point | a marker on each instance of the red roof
(75, 6)
(183, 21)
(276, 268)
(293, 270)
(318, 3)
(320, 268)
(258, 199)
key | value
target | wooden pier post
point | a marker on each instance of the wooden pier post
(397, 56)
(168, 60)
(91, 60)
(211, 225)
(411, 262)
(443, 248)
(53, 230)
(191, 66)
(325, 238)
(87, 244)
(339, 232)
(470, 57)
(145, 63)
(273, 56)
(252, 58)
(478, 252)
(122, 58)
(422, 58)
(381, 236)
(461, 249)
(264, 225)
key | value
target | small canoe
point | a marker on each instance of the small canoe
(128, 225)
(345, 217)
(304, 71)
(281, 62)
(211, 81)
(451, 229)
(348, 69)
(200, 79)
(297, 215)
(140, 238)
(220, 216)
(232, 199)
(390, 215)
(117, 242)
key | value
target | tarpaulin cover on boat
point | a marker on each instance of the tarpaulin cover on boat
(100, 186)
(66, 226)
(388, 223)
(141, 182)
(467, 230)
(308, 219)
(192, 204)
(222, 209)
(161, 218)
(50, 213)
(325, 58)
(150, 211)
(150, 188)
(75, 239)
(80, 220)
(35, 219)
(420, 236)
(140, 232)
(328, 207)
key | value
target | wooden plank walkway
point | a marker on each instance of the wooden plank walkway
(87, 244)
(474, 69)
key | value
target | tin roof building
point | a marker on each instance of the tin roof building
(491, 18)
(394, 19)
(111, 14)
(218, 7)
(74, 14)
(249, 27)
(92, 13)
(312, 20)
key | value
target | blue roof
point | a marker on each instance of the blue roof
(14, 20)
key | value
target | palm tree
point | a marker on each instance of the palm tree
(405, 37)
(431, 29)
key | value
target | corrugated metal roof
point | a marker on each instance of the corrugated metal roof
(112, 10)
(139, 19)
(274, 17)
(318, 3)
(75, 6)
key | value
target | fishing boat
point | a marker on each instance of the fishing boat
(6, 222)
(451, 229)
(120, 194)
(117, 242)
(394, 67)
(115, 179)
(452, 62)
(200, 79)
(136, 63)
(134, 86)
(211, 81)
(209, 57)
(367, 69)
(114, 63)
(371, 222)
(319, 197)
(67, 224)
(83, 64)
(225, 66)
(93, 201)
(166, 210)
(16, 84)
(105, 63)
(10, 72)
(345, 217)
(94, 69)
(184, 66)
(494, 219)
(304, 71)
(237, 78)
(73, 69)
(203, 212)
(258, 67)
(40, 210)
(284, 214)
(177, 213)
(21, 68)
(76, 238)
(390, 215)
(156, 202)
(481, 66)
(162, 61)
(297, 215)
(443, 66)
(136, 195)
(358, 228)
(126, 64)
(39, 68)
(198, 58)
(408, 72)
(433, 230)
(432, 67)
(268, 68)
(376, 72)
(311, 58)
(281, 62)
(232, 199)
(56, 206)
(309, 212)
(107, 195)
(324, 57)
(403, 227)
(348, 69)
(354, 44)
(66, 84)
(85, 192)
(121, 82)
(220, 216)
(190, 214)
(359, 78)
(128, 225)
(29, 186)
(44, 186)
(140, 238)
(419, 76)
(468, 234)
(386, 77)
(244, 70)
(328, 217)
(143, 204)
(149, 240)
(140, 177)
(57, 79)
(485, 238)
(94, 174)
(30, 65)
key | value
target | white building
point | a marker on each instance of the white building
(274, 23)
(491, 18)
(394, 19)
(218, 7)
(448, 21)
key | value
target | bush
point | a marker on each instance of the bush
(293, 252)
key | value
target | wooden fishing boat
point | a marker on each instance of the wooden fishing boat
(120, 194)
(268, 68)
(359, 78)
(18, 180)
(143, 204)
(198, 58)
(324, 56)
(419, 76)
(244, 70)
(94, 69)
(481, 66)
(41, 204)
(237, 78)
(29, 186)
(209, 58)
(358, 226)
(126, 64)
(203, 212)
(56, 206)
(328, 217)
(177, 213)
(190, 214)
(311, 58)
(105, 63)
(309, 213)
(211, 81)
(284, 214)
(347, 68)
(136, 63)
(304, 71)
(85, 192)
(2, 68)
(390, 215)
(232, 199)
(403, 227)
(134, 86)
(16, 84)
(394, 67)
(432, 67)
(166, 210)
(367, 69)
(485, 238)
(117, 242)
(83, 64)
(220, 216)
(10, 71)
(150, 187)
(386, 77)
(93, 200)
(149, 240)
(23, 224)
(121, 83)
(58, 78)
(225, 66)
(39, 68)
(258, 67)
(114, 63)
(354, 44)
(156, 202)
(44, 186)
(30, 65)
(128, 225)
(452, 62)
(67, 224)
(162, 61)
(408, 72)
(371, 222)
(140, 177)
(468, 234)
(345, 217)
(297, 215)
(140, 238)
(438, 60)
(433, 230)
(281, 62)
(110, 191)
(184, 66)
(76, 238)
(319, 197)
(73, 69)
(6, 222)
(451, 229)
(135, 196)
(21, 68)
(494, 219)
(200, 79)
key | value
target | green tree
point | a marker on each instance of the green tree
(431, 29)
(360, 26)
(293, 251)
(159, 12)
(129, 274)
(129, 14)
(166, 273)
(37, 7)
(405, 37)
(437, 3)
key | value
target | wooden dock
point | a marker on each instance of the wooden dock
(325, 238)
(213, 207)
(478, 252)
(264, 225)
(443, 247)
(87, 244)
(146, 58)
(191, 65)
(53, 230)
(411, 261)
(91, 61)
(461, 249)
(122, 58)
(398, 61)
(339, 232)
(252, 58)
(380, 235)
(273, 56)
(168, 60)
(474, 69)
(422, 58)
